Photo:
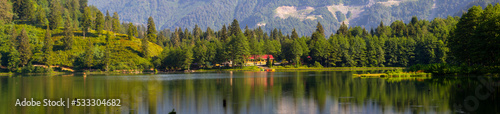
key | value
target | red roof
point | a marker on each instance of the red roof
(261, 56)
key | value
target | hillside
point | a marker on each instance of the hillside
(124, 54)
(285, 15)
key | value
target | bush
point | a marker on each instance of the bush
(34, 69)
(318, 65)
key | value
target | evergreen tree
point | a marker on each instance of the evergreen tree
(197, 32)
(41, 17)
(108, 22)
(343, 29)
(24, 47)
(239, 49)
(107, 53)
(6, 13)
(89, 54)
(68, 35)
(25, 9)
(209, 34)
(296, 51)
(176, 38)
(188, 57)
(234, 29)
(294, 34)
(460, 42)
(47, 47)
(99, 22)
(319, 28)
(55, 18)
(223, 34)
(132, 31)
(145, 48)
(151, 32)
(13, 37)
(115, 23)
(86, 21)
(83, 4)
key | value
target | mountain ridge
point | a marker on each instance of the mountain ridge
(171, 14)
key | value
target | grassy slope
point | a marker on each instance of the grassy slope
(124, 52)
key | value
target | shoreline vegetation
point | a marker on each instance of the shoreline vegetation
(84, 39)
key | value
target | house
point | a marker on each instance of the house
(258, 59)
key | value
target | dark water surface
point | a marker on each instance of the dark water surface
(254, 92)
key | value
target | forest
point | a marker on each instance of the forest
(69, 34)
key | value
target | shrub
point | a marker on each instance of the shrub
(318, 65)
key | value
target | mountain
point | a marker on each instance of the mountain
(282, 14)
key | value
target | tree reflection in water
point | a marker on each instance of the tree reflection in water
(247, 92)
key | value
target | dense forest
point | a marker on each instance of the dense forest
(71, 34)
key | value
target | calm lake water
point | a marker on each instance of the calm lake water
(255, 92)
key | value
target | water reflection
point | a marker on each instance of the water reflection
(247, 92)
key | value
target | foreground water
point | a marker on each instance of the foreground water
(254, 92)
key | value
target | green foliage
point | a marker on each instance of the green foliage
(115, 22)
(238, 49)
(55, 18)
(99, 22)
(48, 47)
(6, 13)
(151, 33)
(86, 21)
(318, 65)
(68, 35)
(24, 48)
(475, 39)
(132, 31)
(145, 48)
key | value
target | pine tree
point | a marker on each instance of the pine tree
(343, 29)
(234, 29)
(55, 15)
(319, 28)
(145, 48)
(83, 5)
(41, 16)
(296, 51)
(108, 22)
(197, 32)
(24, 47)
(151, 32)
(132, 31)
(209, 34)
(223, 34)
(89, 54)
(6, 13)
(25, 9)
(87, 20)
(47, 47)
(99, 22)
(294, 34)
(68, 34)
(107, 53)
(176, 38)
(13, 37)
(239, 49)
(115, 23)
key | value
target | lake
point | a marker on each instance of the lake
(304, 92)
